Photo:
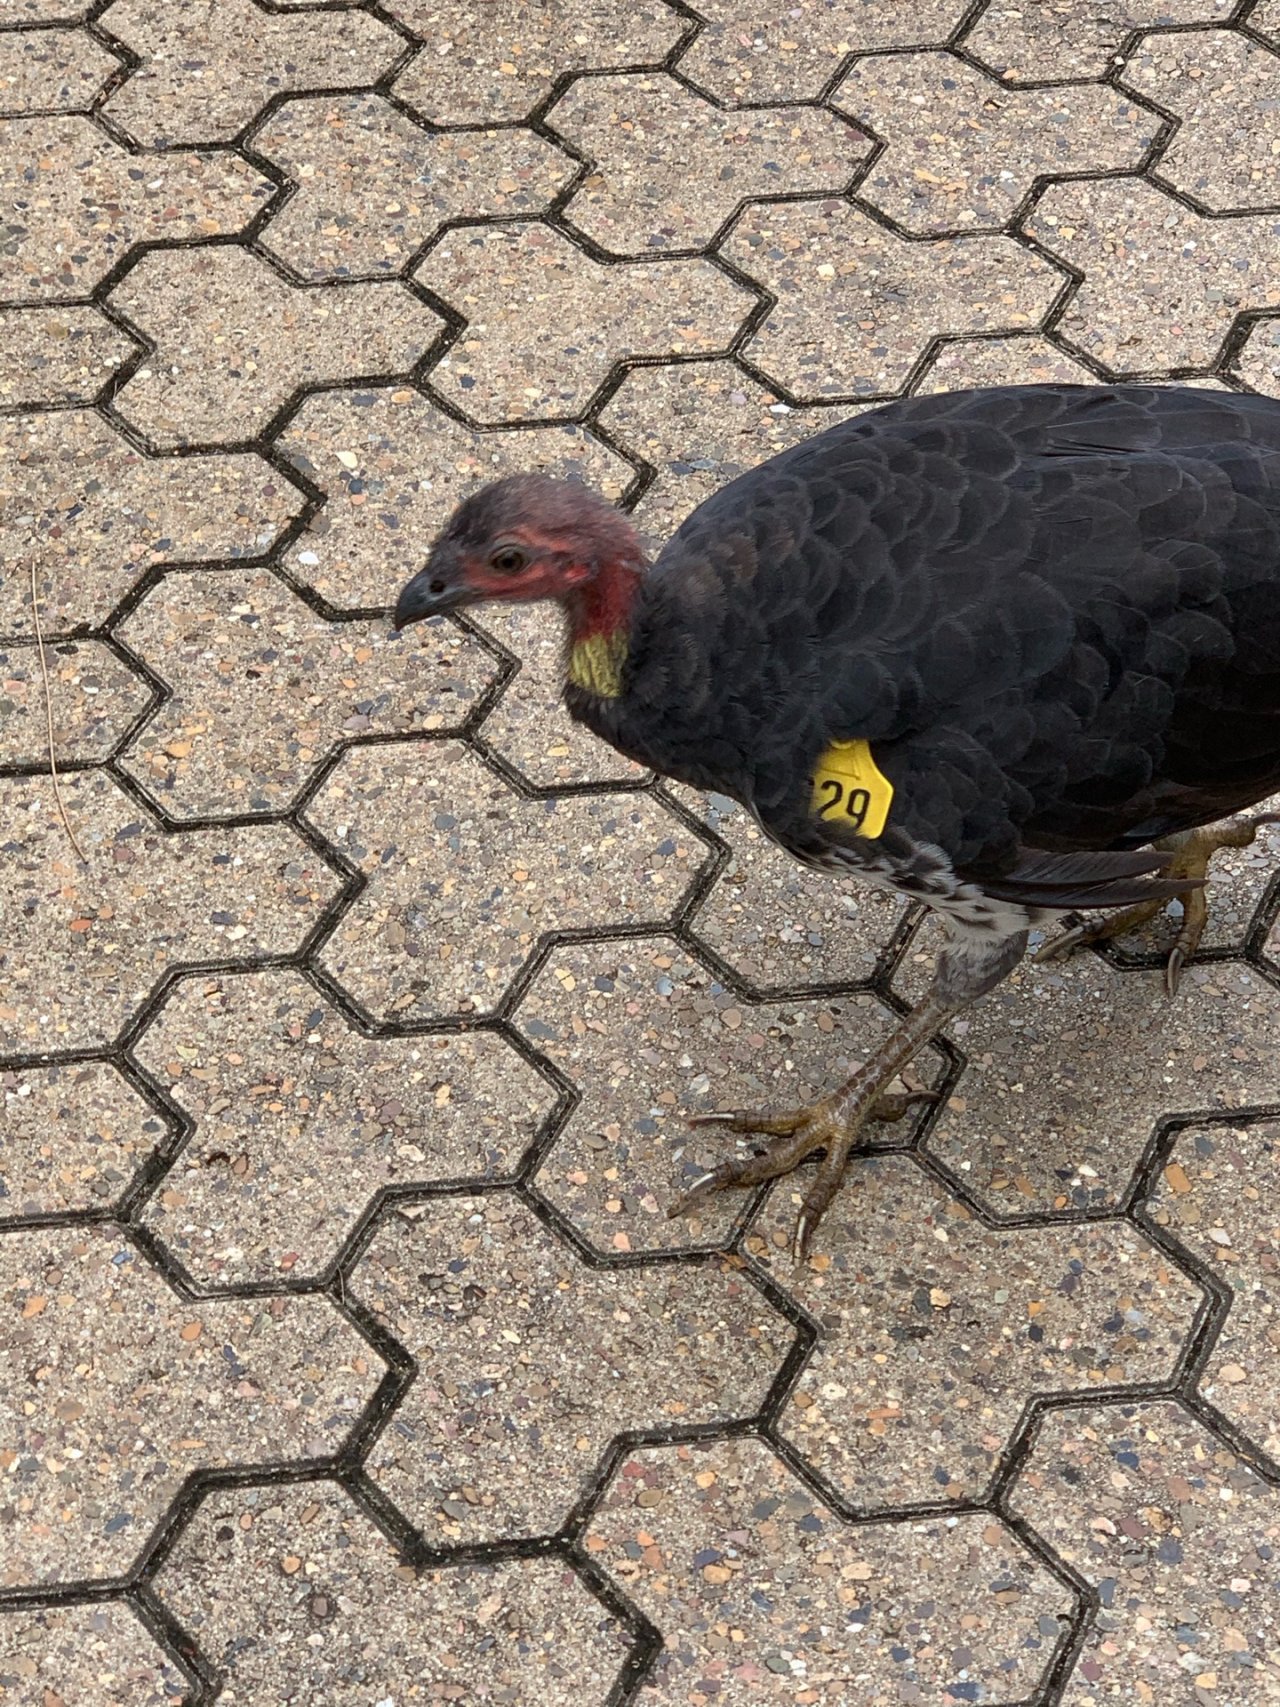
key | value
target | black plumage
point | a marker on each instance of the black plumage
(1053, 611)
(1047, 616)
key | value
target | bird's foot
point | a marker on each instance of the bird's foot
(1111, 925)
(1191, 856)
(831, 1125)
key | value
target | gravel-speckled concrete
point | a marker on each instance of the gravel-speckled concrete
(350, 1355)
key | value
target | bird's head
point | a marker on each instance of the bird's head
(525, 538)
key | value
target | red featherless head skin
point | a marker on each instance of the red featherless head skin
(527, 538)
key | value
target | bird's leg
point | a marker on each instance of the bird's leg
(1192, 851)
(968, 966)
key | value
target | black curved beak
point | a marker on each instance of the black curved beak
(437, 588)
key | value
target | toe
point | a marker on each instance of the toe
(817, 1200)
(1060, 946)
(897, 1103)
(770, 1123)
(1195, 916)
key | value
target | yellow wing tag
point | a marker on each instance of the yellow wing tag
(849, 790)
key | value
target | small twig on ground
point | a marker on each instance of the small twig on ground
(48, 718)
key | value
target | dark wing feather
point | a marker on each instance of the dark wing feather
(1054, 611)
(1111, 879)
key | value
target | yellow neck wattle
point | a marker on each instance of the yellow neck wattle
(595, 663)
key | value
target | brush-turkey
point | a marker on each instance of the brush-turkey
(1006, 651)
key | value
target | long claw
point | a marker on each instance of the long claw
(696, 1192)
(802, 1238)
(1173, 970)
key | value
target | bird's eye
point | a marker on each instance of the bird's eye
(508, 560)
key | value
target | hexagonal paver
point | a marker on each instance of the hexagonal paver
(1217, 1194)
(670, 167)
(1047, 43)
(263, 689)
(547, 323)
(236, 341)
(57, 355)
(81, 946)
(790, 50)
(780, 925)
(1222, 88)
(117, 1388)
(763, 1595)
(76, 202)
(531, 1362)
(646, 1036)
(938, 1330)
(1162, 285)
(858, 306)
(17, 12)
(309, 1061)
(98, 1652)
(1178, 1536)
(465, 877)
(95, 699)
(75, 1135)
(698, 425)
(299, 1121)
(291, 1591)
(1085, 1130)
(393, 466)
(1258, 362)
(529, 727)
(1030, 359)
(497, 59)
(51, 71)
(209, 65)
(963, 152)
(93, 514)
(373, 187)
(1071, 1064)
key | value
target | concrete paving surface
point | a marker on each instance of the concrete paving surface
(349, 1017)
